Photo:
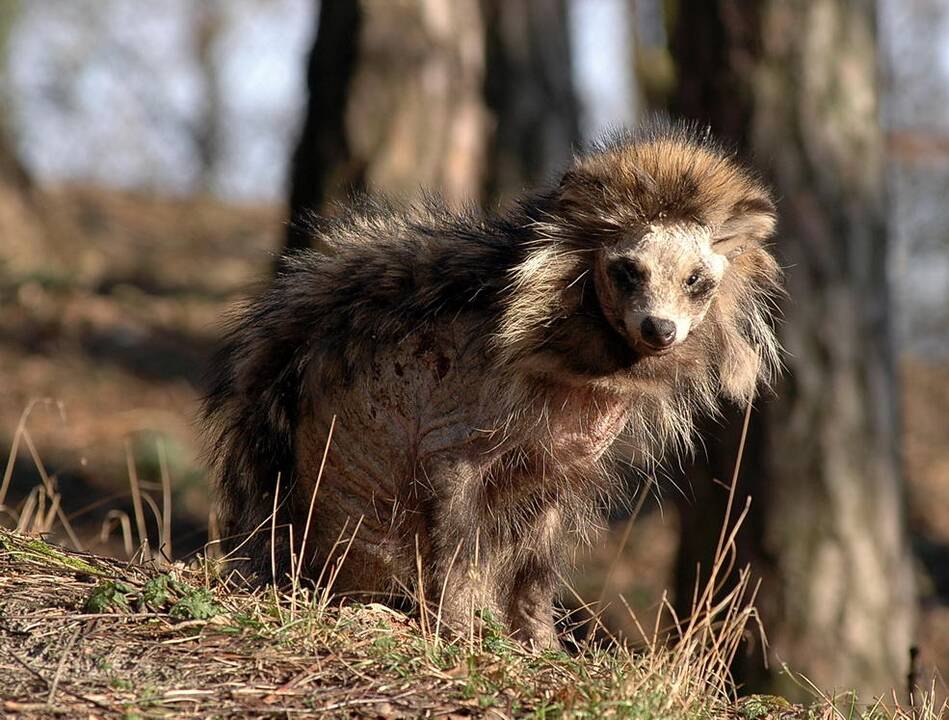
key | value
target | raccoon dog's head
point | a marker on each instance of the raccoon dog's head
(656, 283)
(667, 219)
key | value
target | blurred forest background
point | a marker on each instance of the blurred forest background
(151, 154)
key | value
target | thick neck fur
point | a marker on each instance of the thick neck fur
(552, 326)
(567, 342)
(528, 273)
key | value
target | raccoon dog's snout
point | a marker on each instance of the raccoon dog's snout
(658, 332)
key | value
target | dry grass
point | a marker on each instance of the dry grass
(83, 635)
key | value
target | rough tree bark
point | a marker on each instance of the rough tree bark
(396, 104)
(529, 91)
(471, 98)
(794, 82)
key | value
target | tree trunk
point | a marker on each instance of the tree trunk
(207, 24)
(23, 246)
(471, 98)
(794, 83)
(323, 162)
(396, 105)
(529, 90)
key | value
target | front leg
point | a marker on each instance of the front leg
(534, 581)
(485, 560)
(459, 574)
(531, 607)
(459, 594)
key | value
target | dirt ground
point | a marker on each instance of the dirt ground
(110, 311)
(105, 333)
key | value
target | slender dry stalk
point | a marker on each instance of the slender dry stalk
(316, 487)
(49, 487)
(471, 609)
(327, 592)
(26, 512)
(594, 613)
(734, 483)
(93, 505)
(212, 548)
(15, 445)
(49, 518)
(165, 540)
(137, 501)
(422, 604)
(328, 563)
(649, 642)
(121, 517)
(266, 521)
(294, 585)
(156, 513)
(273, 543)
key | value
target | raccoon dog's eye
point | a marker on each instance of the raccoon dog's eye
(692, 279)
(627, 274)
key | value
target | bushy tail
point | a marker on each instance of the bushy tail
(251, 414)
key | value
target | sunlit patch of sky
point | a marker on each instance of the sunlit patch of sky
(262, 56)
(915, 40)
(102, 95)
(602, 64)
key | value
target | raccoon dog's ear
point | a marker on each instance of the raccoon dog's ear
(577, 188)
(751, 224)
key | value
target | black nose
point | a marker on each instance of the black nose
(658, 331)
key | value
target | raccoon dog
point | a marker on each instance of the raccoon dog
(477, 368)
